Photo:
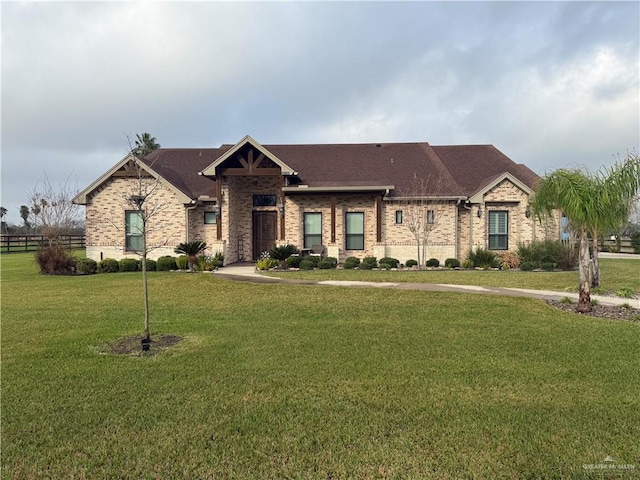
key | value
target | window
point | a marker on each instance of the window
(354, 230)
(431, 217)
(210, 218)
(312, 229)
(498, 230)
(133, 230)
(260, 200)
(398, 216)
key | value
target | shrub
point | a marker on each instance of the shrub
(151, 265)
(508, 259)
(548, 266)
(282, 252)
(433, 262)
(567, 257)
(366, 266)
(411, 263)
(108, 265)
(393, 262)
(294, 261)
(373, 261)
(315, 259)
(385, 265)
(166, 264)
(307, 265)
(267, 263)
(351, 262)
(483, 258)
(328, 263)
(468, 263)
(635, 241)
(452, 263)
(86, 266)
(182, 262)
(206, 263)
(55, 260)
(129, 265)
(562, 254)
(527, 266)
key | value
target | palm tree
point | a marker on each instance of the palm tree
(144, 145)
(618, 187)
(593, 204)
(24, 213)
(575, 193)
(191, 249)
(3, 213)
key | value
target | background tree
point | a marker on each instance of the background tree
(144, 144)
(421, 212)
(52, 211)
(3, 213)
(24, 214)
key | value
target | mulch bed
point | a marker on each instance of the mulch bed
(603, 311)
(132, 345)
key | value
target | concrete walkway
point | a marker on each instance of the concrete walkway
(247, 273)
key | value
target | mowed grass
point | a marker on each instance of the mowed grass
(615, 274)
(280, 381)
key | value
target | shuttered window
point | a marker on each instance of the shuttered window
(498, 230)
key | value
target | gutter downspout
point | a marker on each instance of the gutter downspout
(193, 206)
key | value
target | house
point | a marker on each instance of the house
(352, 199)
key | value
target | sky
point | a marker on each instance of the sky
(550, 84)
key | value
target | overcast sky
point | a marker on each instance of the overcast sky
(553, 84)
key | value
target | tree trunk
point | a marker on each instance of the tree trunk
(595, 279)
(584, 300)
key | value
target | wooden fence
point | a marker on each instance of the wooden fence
(31, 243)
(609, 245)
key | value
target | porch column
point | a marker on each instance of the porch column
(333, 219)
(219, 208)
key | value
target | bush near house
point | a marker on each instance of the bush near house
(307, 265)
(294, 261)
(372, 261)
(328, 263)
(483, 258)
(562, 254)
(392, 262)
(108, 265)
(433, 262)
(452, 263)
(351, 262)
(635, 241)
(129, 265)
(86, 266)
(55, 260)
(166, 264)
(411, 263)
(182, 262)
(151, 265)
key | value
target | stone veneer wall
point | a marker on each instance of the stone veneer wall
(105, 221)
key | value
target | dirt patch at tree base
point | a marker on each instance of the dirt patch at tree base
(603, 311)
(132, 346)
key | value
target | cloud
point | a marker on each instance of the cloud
(549, 83)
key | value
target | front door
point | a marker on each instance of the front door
(264, 232)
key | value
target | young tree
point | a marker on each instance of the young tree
(145, 205)
(421, 211)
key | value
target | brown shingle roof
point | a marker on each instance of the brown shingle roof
(460, 170)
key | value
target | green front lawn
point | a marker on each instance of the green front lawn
(279, 381)
(615, 274)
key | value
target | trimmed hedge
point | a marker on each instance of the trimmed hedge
(411, 263)
(452, 263)
(351, 262)
(433, 262)
(151, 265)
(86, 266)
(294, 261)
(328, 263)
(129, 265)
(182, 262)
(108, 265)
(371, 261)
(307, 265)
(393, 262)
(166, 264)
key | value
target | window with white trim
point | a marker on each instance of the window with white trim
(498, 230)
(134, 229)
(354, 230)
(312, 229)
